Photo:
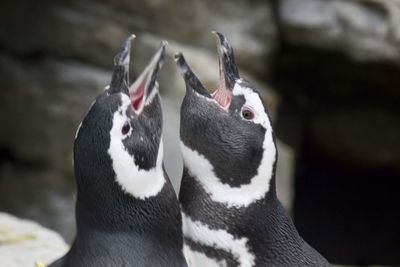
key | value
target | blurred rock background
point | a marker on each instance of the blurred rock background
(329, 71)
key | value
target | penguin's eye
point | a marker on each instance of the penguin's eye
(125, 128)
(247, 114)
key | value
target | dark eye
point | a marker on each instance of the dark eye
(247, 114)
(125, 128)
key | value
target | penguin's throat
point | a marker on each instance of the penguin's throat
(137, 94)
(223, 96)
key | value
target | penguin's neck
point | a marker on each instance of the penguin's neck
(197, 202)
(261, 225)
(115, 211)
(113, 226)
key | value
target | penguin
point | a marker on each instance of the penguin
(127, 213)
(230, 210)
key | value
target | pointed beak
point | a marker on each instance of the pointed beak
(143, 90)
(120, 78)
(228, 71)
(191, 80)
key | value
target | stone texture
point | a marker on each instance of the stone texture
(253, 35)
(366, 30)
(93, 30)
(23, 242)
(88, 33)
(43, 101)
(348, 110)
(45, 196)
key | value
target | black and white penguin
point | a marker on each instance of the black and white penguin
(231, 213)
(127, 212)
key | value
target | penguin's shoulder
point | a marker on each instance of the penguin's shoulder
(282, 245)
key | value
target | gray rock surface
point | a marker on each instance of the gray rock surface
(24, 242)
(43, 195)
(92, 30)
(87, 31)
(56, 56)
(43, 102)
(366, 30)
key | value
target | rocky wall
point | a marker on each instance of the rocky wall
(328, 70)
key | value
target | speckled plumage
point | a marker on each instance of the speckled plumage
(118, 225)
(255, 232)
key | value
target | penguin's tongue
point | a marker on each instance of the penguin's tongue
(137, 94)
(223, 97)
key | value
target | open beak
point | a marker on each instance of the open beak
(120, 77)
(228, 73)
(191, 80)
(143, 90)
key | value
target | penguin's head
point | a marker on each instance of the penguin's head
(118, 147)
(226, 136)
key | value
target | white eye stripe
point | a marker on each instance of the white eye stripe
(254, 102)
(137, 182)
(203, 170)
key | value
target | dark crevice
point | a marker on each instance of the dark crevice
(330, 78)
(32, 56)
(343, 207)
(8, 157)
(347, 212)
